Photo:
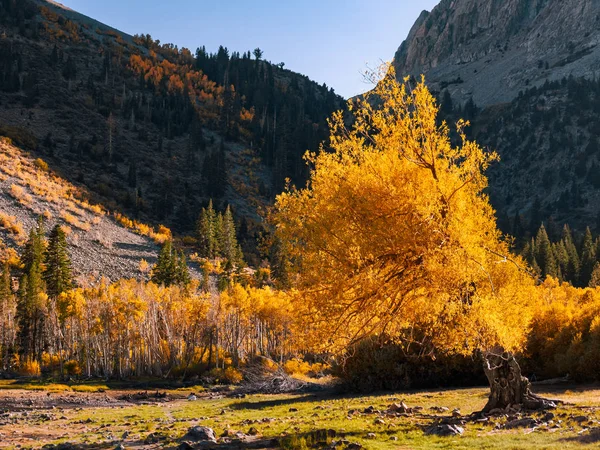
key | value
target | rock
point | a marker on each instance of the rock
(394, 438)
(125, 435)
(399, 408)
(456, 412)
(369, 410)
(371, 436)
(185, 446)
(444, 430)
(379, 421)
(120, 447)
(293, 410)
(200, 433)
(526, 422)
(192, 397)
(548, 417)
(354, 446)
(580, 419)
(439, 409)
(252, 431)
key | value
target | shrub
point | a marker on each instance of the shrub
(30, 368)
(296, 367)
(72, 368)
(41, 164)
(225, 376)
(375, 364)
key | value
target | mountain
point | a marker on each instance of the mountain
(150, 129)
(523, 72)
(100, 246)
(489, 50)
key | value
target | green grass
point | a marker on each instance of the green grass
(297, 419)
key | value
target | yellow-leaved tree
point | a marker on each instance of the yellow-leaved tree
(394, 234)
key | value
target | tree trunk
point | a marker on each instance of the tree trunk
(508, 387)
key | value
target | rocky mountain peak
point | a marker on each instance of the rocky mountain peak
(489, 50)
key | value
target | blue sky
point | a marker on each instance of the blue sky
(331, 41)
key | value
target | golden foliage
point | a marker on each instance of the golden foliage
(394, 233)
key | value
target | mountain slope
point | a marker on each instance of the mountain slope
(99, 245)
(151, 129)
(489, 50)
(523, 72)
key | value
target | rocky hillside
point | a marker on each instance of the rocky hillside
(150, 129)
(522, 71)
(489, 50)
(100, 246)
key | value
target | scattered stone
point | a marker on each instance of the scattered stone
(399, 408)
(379, 421)
(394, 438)
(580, 419)
(192, 397)
(252, 431)
(120, 447)
(199, 433)
(371, 436)
(444, 430)
(525, 422)
(439, 409)
(354, 446)
(368, 410)
(456, 413)
(125, 435)
(185, 446)
(548, 417)
(293, 410)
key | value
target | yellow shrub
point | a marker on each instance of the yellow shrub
(41, 164)
(232, 376)
(296, 367)
(30, 368)
(72, 368)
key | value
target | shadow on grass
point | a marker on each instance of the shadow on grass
(591, 437)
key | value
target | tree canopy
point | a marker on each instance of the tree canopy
(394, 234)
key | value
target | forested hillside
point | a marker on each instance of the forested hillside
(151, 129)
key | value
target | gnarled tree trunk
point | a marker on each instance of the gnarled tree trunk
(508, 387)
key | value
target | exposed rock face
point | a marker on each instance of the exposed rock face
(491, 49)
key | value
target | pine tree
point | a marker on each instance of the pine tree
(6, 305)
(588, 258)
(571, 272)
(544, 254)
(183, 273)
(57, 271)
(165, 270)
(231, 250)
(595, 278)
(529, 253)
(206, 232)
(562, 259)
(31, 303)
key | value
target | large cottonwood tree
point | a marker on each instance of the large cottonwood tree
(394, 234)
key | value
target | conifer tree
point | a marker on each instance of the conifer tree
(571, 273)
(595, 278)
(231, 250)
(588, 258)
(6, 306)
(31, 302)
(57, 271)
(182, 272)
(165, 270)
(544, 253)
(206, 232)
(529, 253)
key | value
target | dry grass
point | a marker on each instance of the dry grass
(74, 221)
(13, 226)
